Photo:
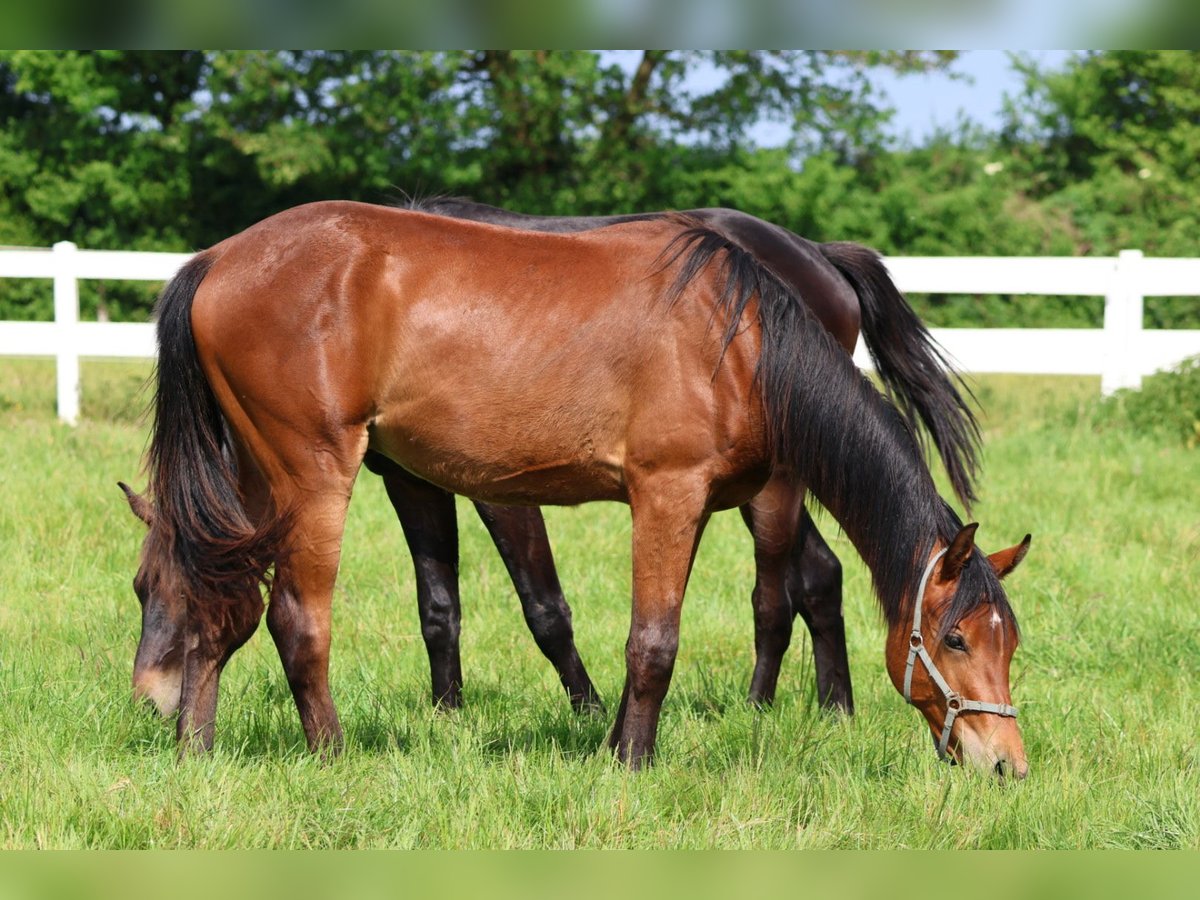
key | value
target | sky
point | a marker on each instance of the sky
(925, 102)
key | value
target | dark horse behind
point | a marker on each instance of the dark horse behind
(669, 369)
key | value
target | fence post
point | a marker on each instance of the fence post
(66, 318)
(1123, 307)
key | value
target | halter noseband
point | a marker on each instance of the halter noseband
(955, 702)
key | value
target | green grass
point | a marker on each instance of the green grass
(1106, 676)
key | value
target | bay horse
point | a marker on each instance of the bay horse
(847, 288)
(669, 370)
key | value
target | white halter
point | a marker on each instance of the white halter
(955, 702)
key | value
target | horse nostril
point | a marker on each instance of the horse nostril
(1003, 769)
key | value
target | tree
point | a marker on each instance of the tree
(93, 149)
(166, 150)
(1112, 144)
(1115, 140)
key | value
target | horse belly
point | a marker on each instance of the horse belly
(498, 452)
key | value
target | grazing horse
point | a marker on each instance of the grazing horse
(847, 288)
(652, 362)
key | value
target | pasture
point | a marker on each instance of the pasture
(1106, 677)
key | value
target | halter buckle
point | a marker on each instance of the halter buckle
(915, 641)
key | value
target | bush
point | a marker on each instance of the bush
(1168, 403)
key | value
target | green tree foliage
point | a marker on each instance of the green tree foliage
(1099, 157)
(93, 149)
(1111, 144)
(93, 146)
(174, 151)
(1113, 140)
(145, 150)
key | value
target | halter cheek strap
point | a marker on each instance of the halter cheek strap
(955, 702)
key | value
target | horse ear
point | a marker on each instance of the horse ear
(140, 505)
(958, 553)
(1004, 561)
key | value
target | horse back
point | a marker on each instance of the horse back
(795, 260)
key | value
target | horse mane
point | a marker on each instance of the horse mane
(445, 205)
(849, 444)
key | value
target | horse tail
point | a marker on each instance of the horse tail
(191, 463)
(911, 365)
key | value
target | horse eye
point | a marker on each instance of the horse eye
(955, 641)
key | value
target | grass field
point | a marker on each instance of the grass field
(1106, 676)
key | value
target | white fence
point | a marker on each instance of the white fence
(1120, 353)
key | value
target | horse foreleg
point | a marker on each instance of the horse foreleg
(772, 517)
(299, 614)
(667, 524)
(520, 536)
(814, 582)
(426, 514)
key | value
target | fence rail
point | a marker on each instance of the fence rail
(1120, 353)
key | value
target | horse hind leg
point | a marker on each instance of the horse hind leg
(814, 586)
(519, 534)
(772, 517)
(427, 516)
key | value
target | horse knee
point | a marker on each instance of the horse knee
(827, 578)
(301, 638)
(282, 614)
(815, 589)
(218, 630)
(650, 656)
(440, 624)
(549, 623)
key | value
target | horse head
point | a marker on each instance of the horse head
(951, 658)
(158, 664)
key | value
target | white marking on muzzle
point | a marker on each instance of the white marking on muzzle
(162, 688)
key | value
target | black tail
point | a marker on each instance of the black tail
(193, 478)
(911, 365)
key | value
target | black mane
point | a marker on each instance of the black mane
(845, 440)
